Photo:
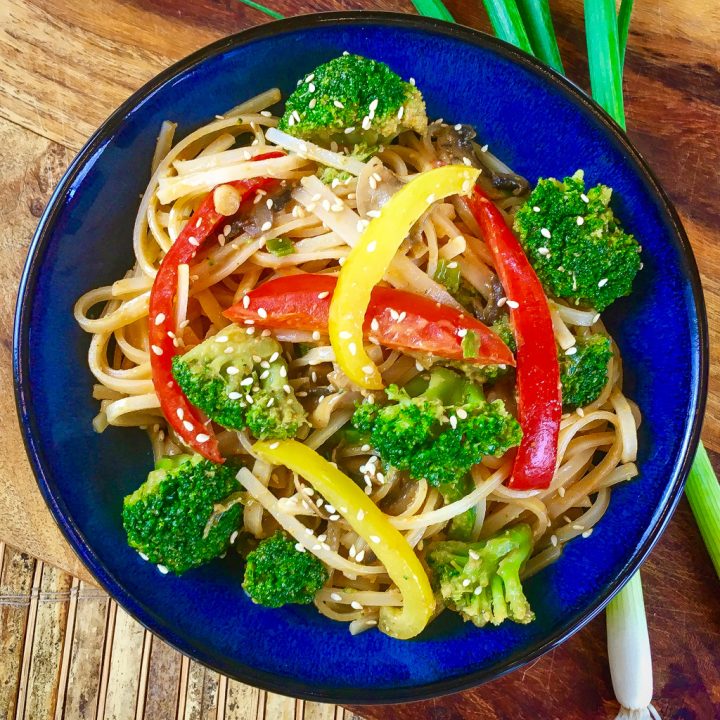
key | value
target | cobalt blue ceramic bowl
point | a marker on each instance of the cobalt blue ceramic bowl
(539, 124)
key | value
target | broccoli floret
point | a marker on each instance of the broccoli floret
(239, 381)
(328, 175)
(584, 374)
(185, 513)
(576, 244)
(503, 329)
(440, 431)
(356, 94)
(461, 526)
(278, 574)
(492, 567)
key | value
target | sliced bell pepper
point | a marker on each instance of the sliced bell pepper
(394, 318)
(372, 525)
(538, 372)
(176, 408)
(369, 259)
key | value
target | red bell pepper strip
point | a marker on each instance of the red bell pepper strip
(394, 318)
(538, 372)
(176, 408)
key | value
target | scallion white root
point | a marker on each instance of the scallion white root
(629, 653)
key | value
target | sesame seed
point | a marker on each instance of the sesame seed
(265, 226)
(374, 538)
(250, 331)
(603, 282)
(337, 597)
(374, 104)
(157, 349)
(247, 382)
(584, 198)
(467, 161)
(312, 103)
(355, 604)
(338, 104)
(246, 301)
(162, 569)
(299, 547)
(360, 514)
(234, 395)
(296, 115)
(401, 112)
(554, 540)
(587, 533)
(180, 413)
(187, 425)
(337, 206)
(474, 555)
(202, 437)
(580, 412)
(545, 233)
(310, 77)
(249, 321)
(352, 348)
(349, 130)
(360, 556)
(373, 213)
(543, 251)
(371, 246)
(501, 301)
(316, 546)
(160, 319)
(316, 335)
(514, 304)
(477, 590)
(283, 371)
(412, 80)
(453, 422)
(571, 350)
(580, 220)
(462, 332)
(232, 370)
(484, 148)
(274, 445)
(536, 208)
(193, 241)
(262, 312)
(311, 87)
(462, 414)
(466, 582)
(374, 325)
(561, 491)
(366, 122)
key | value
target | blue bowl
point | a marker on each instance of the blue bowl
(540, 124)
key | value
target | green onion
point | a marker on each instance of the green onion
(601, 31)
(448, 275)
(262, 8)
(626, 7)
(433, 9)
(629, 651)
(539, 27)
(507, 23)
(703, 493)
(280, 246)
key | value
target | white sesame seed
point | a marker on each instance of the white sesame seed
(514, 304)
(352, 348)
(187, 425)
(356, 605)
(374, 325)
(585, 198)
(371, 246)
(360, 556)
(484, 148)
(474, 555)
(338, 104)
(462, 414)
(250, 331)
(262, 312)
(536, 208)
(375, 539)
(462, 332)
(311, 87)
(412, 81)
(373, 213)
(246, 301)
(478, 590)
(180, 413)
(162, 569)
(202, 437)
(543, 251)
(453, 422)
(545, 233)
(360, 514)
(561, 491)
(401, 112)
(157, 349)
(323, 295)
(247, 382)
(554, 540)
(603, 282)
(580, 220)
(160, 319)
(571, 350)
(234, 395)
(193, 241)
(349, 130)
(265, 226)
(587, 533)
(299, 547)
(232, 370)
(466, 582)
(580, 412)
(249, 321)
(312, 103)
(337, 597)
(316, 335)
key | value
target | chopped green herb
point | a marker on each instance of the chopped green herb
(280, 246)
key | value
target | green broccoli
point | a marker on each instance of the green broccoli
(584, 374)
(438, 429)
(576, 244)
(353, 101)
(461, 526)
(278, 574)
(481, 580)
(185, 513)
(239, 381)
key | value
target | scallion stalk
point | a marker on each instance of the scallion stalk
(601, 32)
(540, 31)
(623, 21)
(703, 493)
(433, 9)
(257, 6)
(508, 24)
(629, 652)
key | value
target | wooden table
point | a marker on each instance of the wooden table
(65, 65)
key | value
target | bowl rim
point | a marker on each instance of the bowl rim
(134, 606)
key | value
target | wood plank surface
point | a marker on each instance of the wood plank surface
(65, 65)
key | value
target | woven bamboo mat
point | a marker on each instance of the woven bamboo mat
(68, 652)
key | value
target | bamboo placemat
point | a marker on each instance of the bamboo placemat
(68, 652)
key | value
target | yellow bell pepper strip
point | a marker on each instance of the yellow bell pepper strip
(372, 525)
(370, 258)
